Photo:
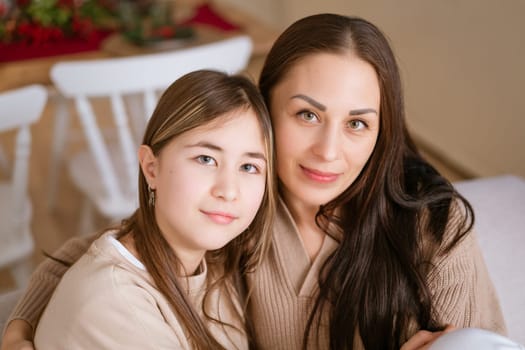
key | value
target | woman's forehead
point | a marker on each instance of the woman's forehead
(324, 76)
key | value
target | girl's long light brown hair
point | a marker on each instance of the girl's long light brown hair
(196, 99)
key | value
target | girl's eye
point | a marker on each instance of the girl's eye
(308, 116)
(250, 168)
(206, 160)
(356, 124)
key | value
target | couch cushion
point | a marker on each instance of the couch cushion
(499, 206)
(7, 303)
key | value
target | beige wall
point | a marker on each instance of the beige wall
(463, 66)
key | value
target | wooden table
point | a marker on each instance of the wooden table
(20, 73)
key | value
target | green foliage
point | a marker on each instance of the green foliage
(38, 21)
(47, 13)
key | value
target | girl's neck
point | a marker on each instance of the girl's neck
(190, 266)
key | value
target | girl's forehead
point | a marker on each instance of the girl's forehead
(232, 119)
(224, 119)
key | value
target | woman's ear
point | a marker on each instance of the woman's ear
(149, 165)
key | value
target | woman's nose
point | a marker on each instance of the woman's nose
(328, 143)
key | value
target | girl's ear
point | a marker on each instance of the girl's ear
(149, 165)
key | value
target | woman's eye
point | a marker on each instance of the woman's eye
(250, 168)
(308, 116)
(206, 160)
(356, 124)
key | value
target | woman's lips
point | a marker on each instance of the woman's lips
(319, 176)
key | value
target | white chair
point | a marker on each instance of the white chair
(19, 109)
(107, 172)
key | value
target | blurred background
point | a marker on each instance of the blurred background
(462, 65)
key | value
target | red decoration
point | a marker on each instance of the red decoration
(22, 51)
(50, 41)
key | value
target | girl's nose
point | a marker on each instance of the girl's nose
(226, 187)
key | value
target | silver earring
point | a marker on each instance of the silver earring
(151, 197)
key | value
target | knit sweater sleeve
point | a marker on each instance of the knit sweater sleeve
(462, 292)
(45, 278)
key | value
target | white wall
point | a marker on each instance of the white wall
(270, 12)
(463, 67)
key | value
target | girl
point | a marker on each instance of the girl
(165, 277)
(371, 246)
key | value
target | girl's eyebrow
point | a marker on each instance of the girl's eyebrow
(209, 145)
(322, 107)
(204, 144)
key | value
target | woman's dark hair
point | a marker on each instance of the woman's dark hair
(395, 214)
(196, 99)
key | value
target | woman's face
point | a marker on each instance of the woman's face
(325, 114)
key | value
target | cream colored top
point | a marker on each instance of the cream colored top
(285, 284)
(107, 300)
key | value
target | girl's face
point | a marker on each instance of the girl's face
(209, 183)
(325, 114)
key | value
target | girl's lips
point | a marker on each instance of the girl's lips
(219, 217)
(319, 176)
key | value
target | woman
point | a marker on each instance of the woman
(165, 278)
(371, 243)
(388, 234)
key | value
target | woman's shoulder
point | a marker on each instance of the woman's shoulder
(447, 233)
(459, 241)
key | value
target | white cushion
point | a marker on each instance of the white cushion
(499, 206)
(7, 303)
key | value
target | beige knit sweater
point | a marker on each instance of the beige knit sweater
(107, 300)
(285, 284)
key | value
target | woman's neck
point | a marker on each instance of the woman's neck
(311, 235)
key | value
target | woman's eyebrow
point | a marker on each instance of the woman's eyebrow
(362, 111)
(311, 101)
(322, 107)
